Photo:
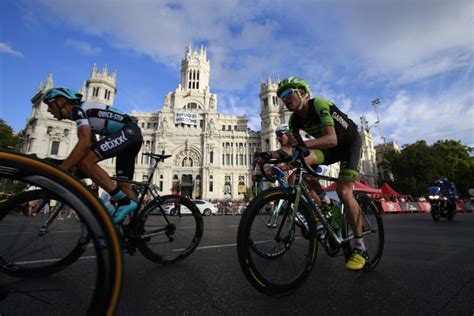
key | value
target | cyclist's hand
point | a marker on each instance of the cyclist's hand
(283, 155)
(303, 150)
(263, 156)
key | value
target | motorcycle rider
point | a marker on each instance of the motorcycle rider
(449, 190)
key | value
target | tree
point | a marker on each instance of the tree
(456, 163)
(418, 165)
(8, 139)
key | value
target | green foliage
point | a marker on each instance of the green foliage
(418, 165)
(8, 140)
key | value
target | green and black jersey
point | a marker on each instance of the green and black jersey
(321, 113)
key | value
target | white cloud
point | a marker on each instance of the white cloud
(446, 115)
(393, 47)
(7, 49)
(82, 46)
(414, 39)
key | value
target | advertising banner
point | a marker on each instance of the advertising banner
(409, 206)
(424, 206)
(186, 118)
(390, 207)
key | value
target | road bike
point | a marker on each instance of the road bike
(91, 287)
(156, 229)
(279, 232)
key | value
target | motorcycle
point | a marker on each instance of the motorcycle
(440, 204)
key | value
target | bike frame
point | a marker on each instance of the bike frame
(147, 188)
(301, 190)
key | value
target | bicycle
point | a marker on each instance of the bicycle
(100, 283)
(277, 259)
(153, 229)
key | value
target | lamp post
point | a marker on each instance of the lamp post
(375, 104)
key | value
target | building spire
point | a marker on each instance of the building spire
(49, 81)
(83, 88)
(40, 87)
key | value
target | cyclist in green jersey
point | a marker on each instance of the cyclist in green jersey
(335, 139)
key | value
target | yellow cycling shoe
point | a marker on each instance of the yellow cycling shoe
(357, 260)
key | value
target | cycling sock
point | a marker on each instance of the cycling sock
(324, 198)
(120, 197)
(359, 243)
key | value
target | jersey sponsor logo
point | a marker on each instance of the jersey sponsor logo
(113, 143)
(340, 120)
(323, 112)
(110, 115)
(78, 114)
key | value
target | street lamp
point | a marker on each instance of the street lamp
(375, 104)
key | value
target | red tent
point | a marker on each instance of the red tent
(388, 191)
(358, 186)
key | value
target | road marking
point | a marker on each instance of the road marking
(216, 246)
(52, 260)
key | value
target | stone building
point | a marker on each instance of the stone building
(368, 160)
(383, 172)
(211, 152)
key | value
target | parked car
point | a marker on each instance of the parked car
(206, 208)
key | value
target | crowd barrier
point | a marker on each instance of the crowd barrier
(425, 207)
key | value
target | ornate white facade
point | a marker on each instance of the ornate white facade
(212, 152)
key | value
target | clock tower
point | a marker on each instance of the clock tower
(195, 70)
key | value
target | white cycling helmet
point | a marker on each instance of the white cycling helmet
(283, 128)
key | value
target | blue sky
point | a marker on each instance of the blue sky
(416, 56)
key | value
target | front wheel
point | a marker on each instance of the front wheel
(436, 212)
(49, 232)
(164, 238)
(372, 230)
(276, 256)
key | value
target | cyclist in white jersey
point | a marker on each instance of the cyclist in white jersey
(122, 138)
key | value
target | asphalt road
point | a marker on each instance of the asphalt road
(426, 269)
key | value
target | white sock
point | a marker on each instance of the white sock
(359, 244)
(326, 200)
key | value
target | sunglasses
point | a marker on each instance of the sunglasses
(279, 134)
(288, 92)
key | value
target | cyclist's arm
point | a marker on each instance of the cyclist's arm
(81, 149)
(327, 140)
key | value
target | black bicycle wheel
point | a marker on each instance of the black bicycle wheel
(169, 230)
(92, 285)
(276, 259)
(372, 227)
(49, 229)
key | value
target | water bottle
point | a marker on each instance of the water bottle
(336, 215)
(319, 229)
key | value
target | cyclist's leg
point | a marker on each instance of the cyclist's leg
(125, 152)
(347, 177)
(316, 157)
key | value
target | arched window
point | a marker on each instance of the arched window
(187, 162)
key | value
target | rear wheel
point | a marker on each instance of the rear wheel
(275, 256)
(207, 212)
(169, 238)
(372, 229)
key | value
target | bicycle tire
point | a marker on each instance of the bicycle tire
(180, 232)
(107, 281)
(374, 241)
(266, 273)
(66, 255)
